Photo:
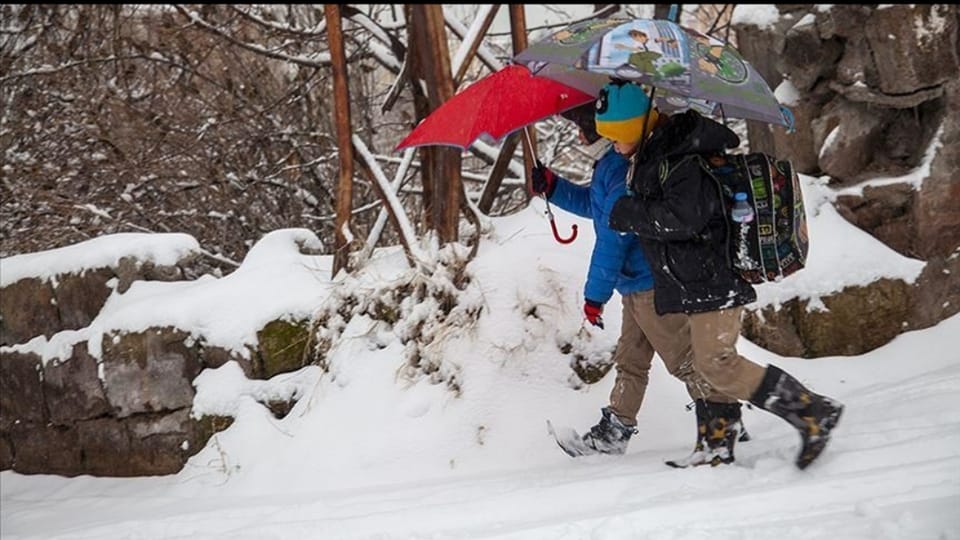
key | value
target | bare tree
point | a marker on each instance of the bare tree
(217, 121)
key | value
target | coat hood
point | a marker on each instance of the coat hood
(689, 133)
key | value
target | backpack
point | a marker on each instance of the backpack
(775, 244)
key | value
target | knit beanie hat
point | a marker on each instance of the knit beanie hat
(621, 111)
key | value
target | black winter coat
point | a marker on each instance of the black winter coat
(678, 211)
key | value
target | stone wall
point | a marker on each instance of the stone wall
(877, 87)
(128, 412)
(33, 307)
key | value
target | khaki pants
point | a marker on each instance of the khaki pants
(714, 336)
(643, 332)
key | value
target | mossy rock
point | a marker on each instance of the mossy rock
(590, 371)
(282, 347)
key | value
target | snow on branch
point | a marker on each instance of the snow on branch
(480, 23)
(407, 232)
(316, 32)
(320, 59)
(483, 52)
(381, 221)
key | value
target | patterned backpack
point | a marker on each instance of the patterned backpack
(775, 243)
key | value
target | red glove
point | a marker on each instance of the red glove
(542, 180)
(593, 311)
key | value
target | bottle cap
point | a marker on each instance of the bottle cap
(740, 196)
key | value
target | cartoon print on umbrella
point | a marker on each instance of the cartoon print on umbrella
(678, 61)
(581, 33)
(719, 59)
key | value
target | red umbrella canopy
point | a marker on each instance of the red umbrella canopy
(496, 105)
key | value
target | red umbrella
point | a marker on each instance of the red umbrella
(496, 105)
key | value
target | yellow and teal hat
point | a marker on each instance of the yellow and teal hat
(621, 111)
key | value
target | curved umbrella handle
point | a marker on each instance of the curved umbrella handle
(556, 233)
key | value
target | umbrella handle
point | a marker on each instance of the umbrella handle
(553, 225)
(556, 233)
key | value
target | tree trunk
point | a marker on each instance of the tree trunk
(518, 33)
(441, 166)
(341, 96)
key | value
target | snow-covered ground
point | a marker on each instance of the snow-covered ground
(369, 453)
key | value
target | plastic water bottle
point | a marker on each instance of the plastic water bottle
(741, 212)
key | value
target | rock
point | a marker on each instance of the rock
(21, 391)
(6, 453)
(73, 389)
(775, 329)
(914, 46)
(806, 58)
(846, 135)
(283, 347)
(884, 212)
(80, 296)
(937, 210)
(856, 320)
(936, 295)
(149, 371)
(106, 447)
(28, 309)
(46, 449)
(843, 20)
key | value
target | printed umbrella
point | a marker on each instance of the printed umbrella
(690, 69)
(495, 106)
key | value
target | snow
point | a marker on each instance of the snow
(835, 261)
(161, 249)
(277, 280)
(370, 451)
(787, 94)
(928, 30)
(853, 258)
(807, 20)
(829, 141)
(763, 16)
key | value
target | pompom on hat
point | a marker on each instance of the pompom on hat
(621, 111)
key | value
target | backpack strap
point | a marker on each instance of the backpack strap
(667, 168)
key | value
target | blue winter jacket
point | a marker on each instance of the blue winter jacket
(618, 262)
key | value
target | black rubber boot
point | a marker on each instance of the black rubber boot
(813, 415)
(610, 435)
(718, 429)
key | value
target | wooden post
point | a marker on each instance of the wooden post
(518, 33)
(441, 166)
(495, 180)
(341, 99)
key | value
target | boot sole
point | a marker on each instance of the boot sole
(689, 462)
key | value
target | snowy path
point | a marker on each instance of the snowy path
(892, 472)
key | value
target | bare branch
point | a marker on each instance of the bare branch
(320, 60)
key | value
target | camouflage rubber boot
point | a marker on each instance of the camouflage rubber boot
(813, 415)
(718, 429)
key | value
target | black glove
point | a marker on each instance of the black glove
(623, 215)
(542, 180)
